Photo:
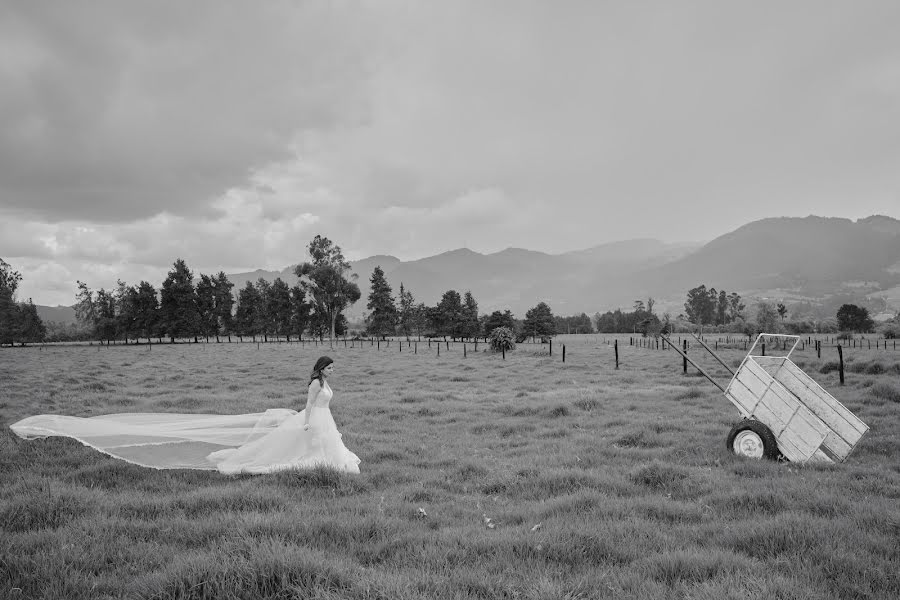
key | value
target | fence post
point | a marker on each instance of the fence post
(464, 349)
(551, 346)
(616, 348)
(764, 348)
(684, 359)
(841, 362)
(504, 352)
(564, 353)
(416, 348)
(439, 350)
(818, 348)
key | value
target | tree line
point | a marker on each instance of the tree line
(315, 305)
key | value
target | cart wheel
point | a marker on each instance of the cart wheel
(752, 439)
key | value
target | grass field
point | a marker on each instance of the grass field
(481, 478)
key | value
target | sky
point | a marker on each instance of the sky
(229, 134)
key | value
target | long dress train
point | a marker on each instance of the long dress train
(251, 443)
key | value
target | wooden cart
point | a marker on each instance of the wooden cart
(785, 413)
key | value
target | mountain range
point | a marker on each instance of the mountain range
(812, 262)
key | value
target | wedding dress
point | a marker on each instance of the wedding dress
(264, 442)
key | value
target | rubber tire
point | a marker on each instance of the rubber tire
(770, 444)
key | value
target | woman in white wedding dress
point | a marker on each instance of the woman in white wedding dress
(305, 439)
(274, 440)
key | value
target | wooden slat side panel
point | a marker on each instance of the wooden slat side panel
(788, 445)
(798, 421)
(837, 446)
(842, 435)
(826, 406)
(741, 397)
(754, 377)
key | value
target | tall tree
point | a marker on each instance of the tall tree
(722, 308)
(471, 326)
(9, 311)
(735, 307)
(126, 316)
(224, 305)
(146, 308)
(178, 305)
(85, 312)
(700, 305)
(324, 278)
(766, 318)
(265, 323)
(106, 325)
(383, 318)
(31, 328)
(246, 318)
(406, 313)
(447, 317)
(782, 311)
(280, 307)
(299, 311)
(206, 306)
(539, 321)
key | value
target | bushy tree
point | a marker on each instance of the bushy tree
(539, 321)
(700, 307)
(499, 319)
(324, 277)
(766, 318)
(851, 317)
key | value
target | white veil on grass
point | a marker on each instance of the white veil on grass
(157, 440)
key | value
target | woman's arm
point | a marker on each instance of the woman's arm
(314, 388)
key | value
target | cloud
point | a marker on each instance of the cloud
(115, 111)
(229, 134)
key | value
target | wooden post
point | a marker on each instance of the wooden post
(818, 348)
(416, 348)
(464, 350)
(379, 345)
(616, 348)
(439, 350)
(684, 360)
(551, 346)
(448, 345)
(564, 353)
(763, 348)
(504, 352)
(841, 363)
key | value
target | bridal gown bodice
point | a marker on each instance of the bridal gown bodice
(265, 442)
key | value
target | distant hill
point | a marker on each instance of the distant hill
(814, 260)
(59, 314)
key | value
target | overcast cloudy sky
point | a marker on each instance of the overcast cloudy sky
(230, 133)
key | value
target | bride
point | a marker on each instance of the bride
(274, 440)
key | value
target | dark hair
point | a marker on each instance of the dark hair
(323, 362)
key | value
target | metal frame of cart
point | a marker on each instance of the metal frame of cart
(806, 422)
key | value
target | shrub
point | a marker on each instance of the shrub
(502, 338)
